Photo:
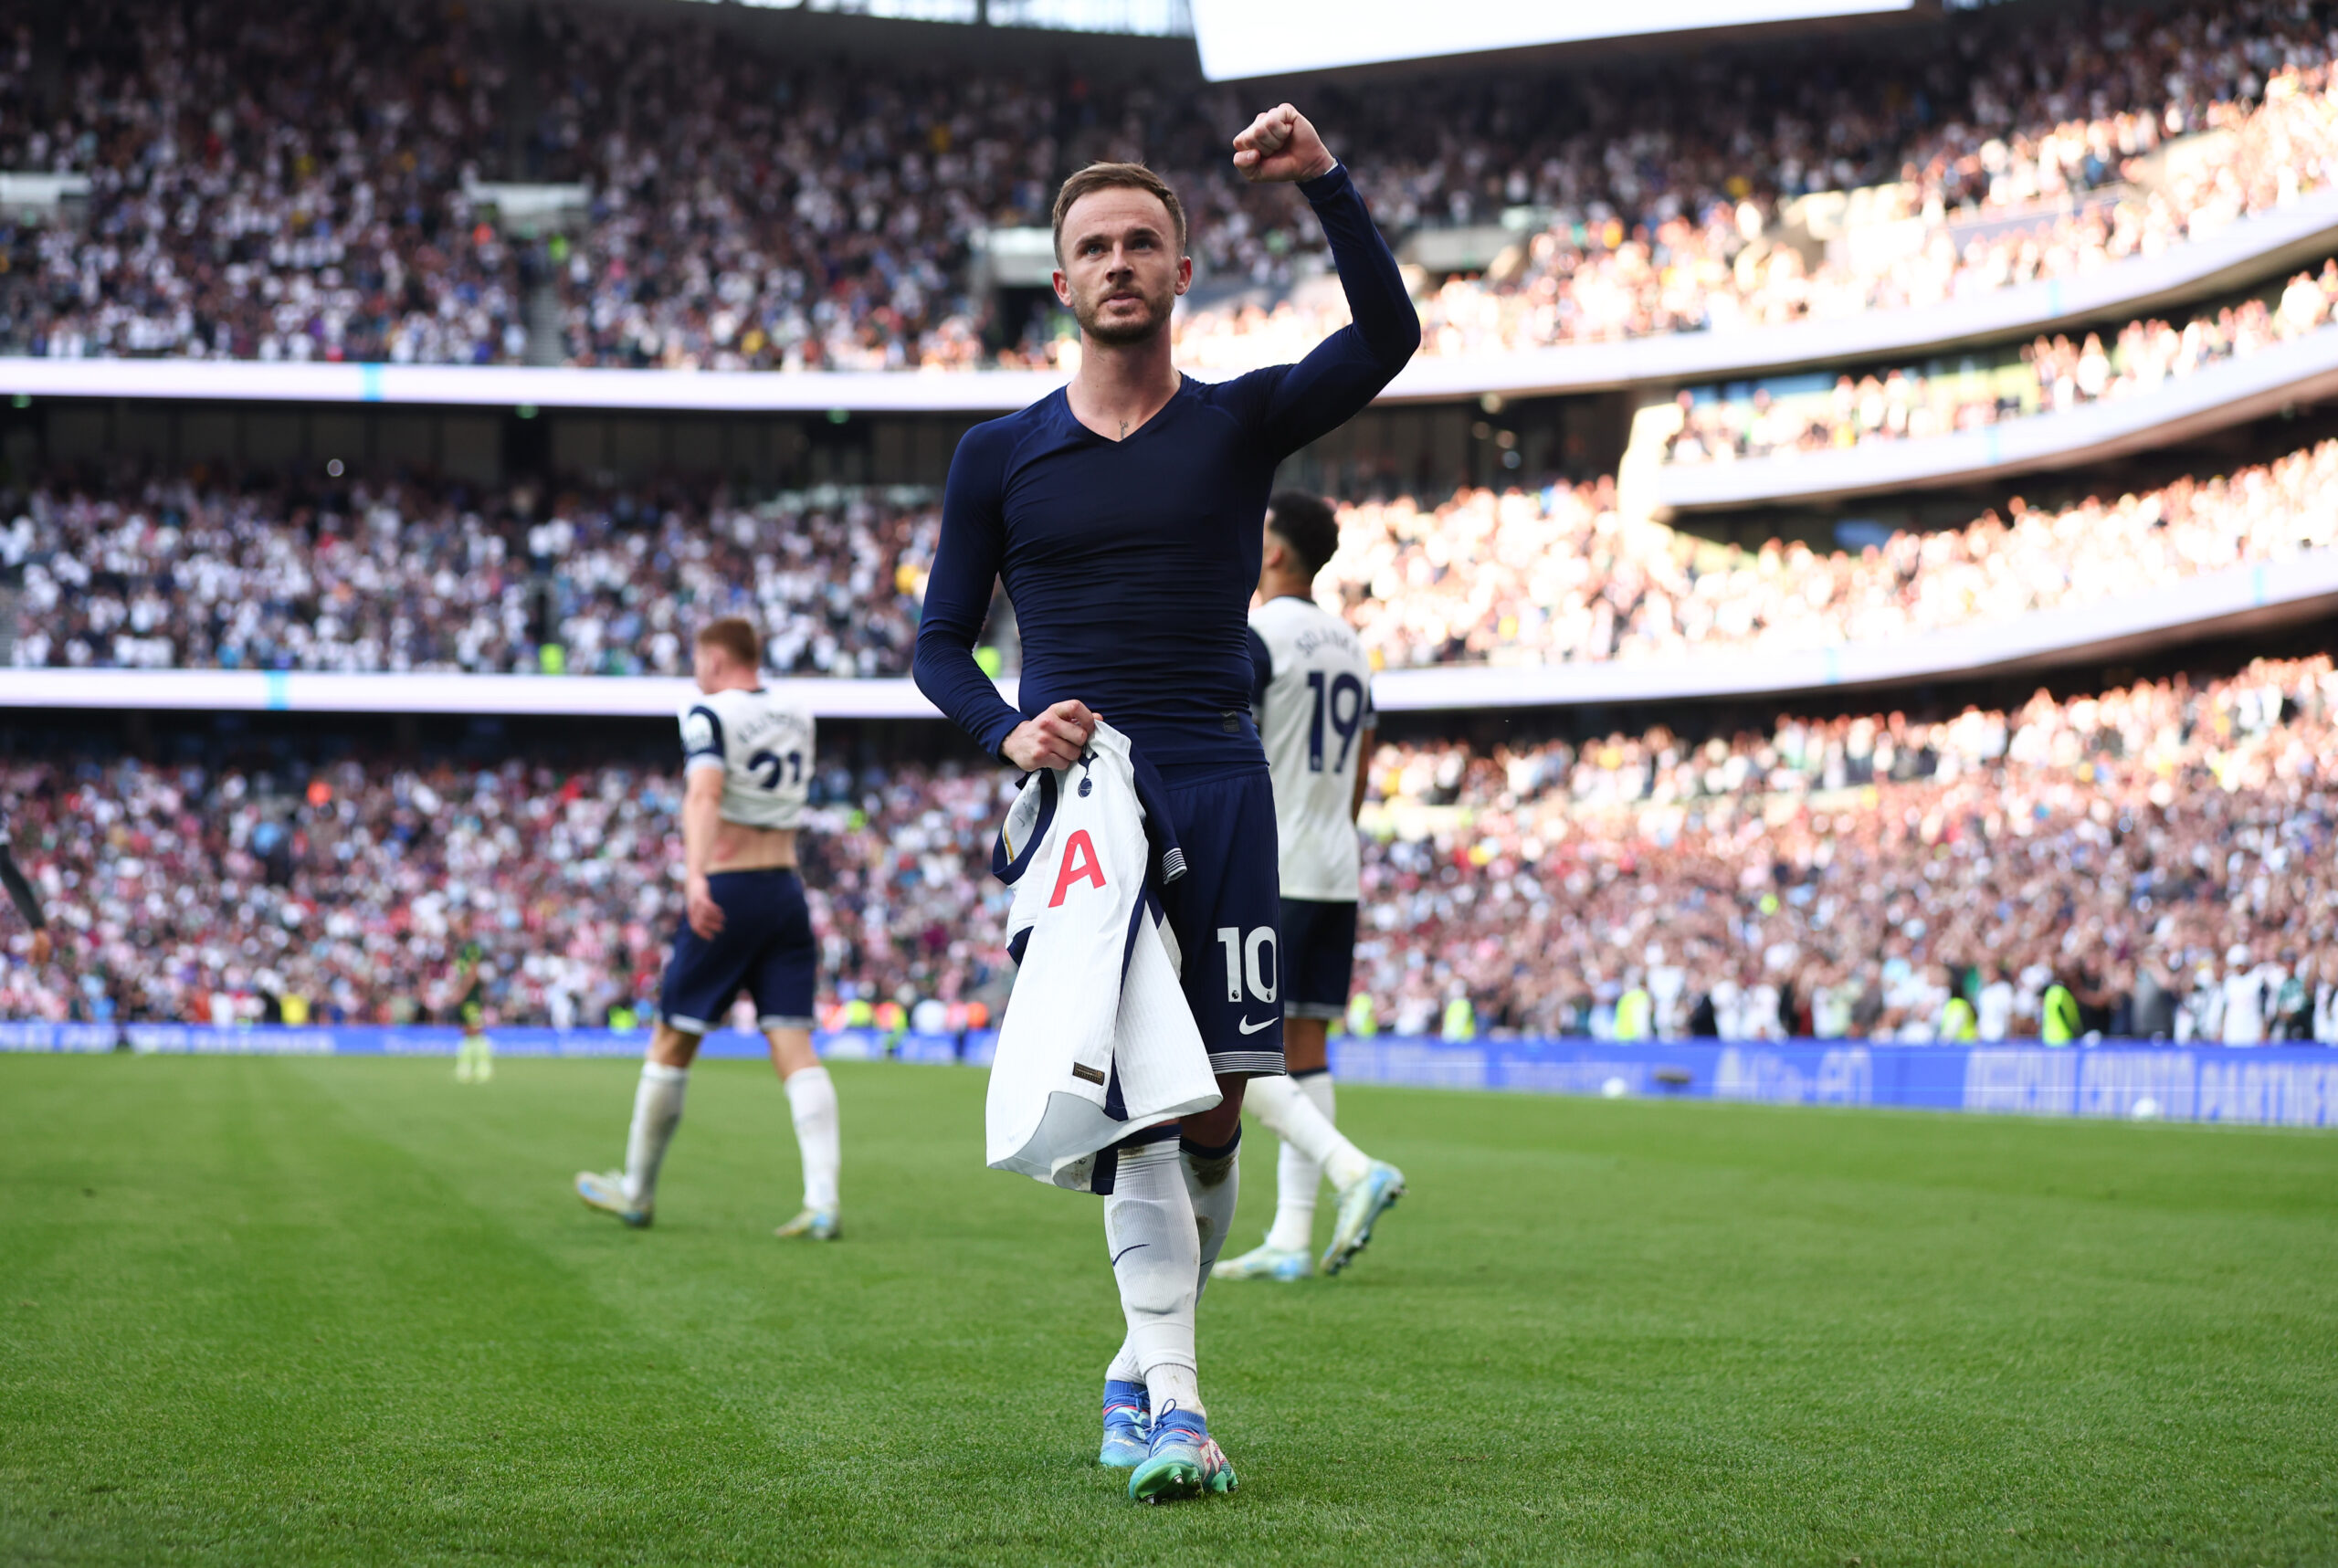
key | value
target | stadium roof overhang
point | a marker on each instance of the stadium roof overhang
(2255, 597)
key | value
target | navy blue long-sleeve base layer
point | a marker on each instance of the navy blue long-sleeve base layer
(1131, 563)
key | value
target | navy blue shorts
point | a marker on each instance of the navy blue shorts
(1318, 957)
(765, 948)
(1225, 911)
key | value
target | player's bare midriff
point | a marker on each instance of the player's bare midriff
(740, 847)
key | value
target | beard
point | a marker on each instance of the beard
(1125, 330)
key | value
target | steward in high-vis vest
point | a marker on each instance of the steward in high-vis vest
(1634, 1013)
(2060, 1025)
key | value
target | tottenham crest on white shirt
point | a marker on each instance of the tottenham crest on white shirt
(763, 743)
(1312, 722)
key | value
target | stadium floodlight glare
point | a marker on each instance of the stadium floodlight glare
(1238, 39)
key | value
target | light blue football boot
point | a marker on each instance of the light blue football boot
(812, 1225)
(1265, 1263)
(1184, 1461)
(605, 1192)
(1362, 1204)
(1128, 1426)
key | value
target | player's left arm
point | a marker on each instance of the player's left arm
(701, 821)
(1366, 733)
(28, 902)
(1347, 370)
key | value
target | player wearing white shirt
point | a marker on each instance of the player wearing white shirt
(747, 758)
(1311, 692)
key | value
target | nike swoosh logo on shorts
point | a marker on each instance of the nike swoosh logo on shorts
(1251, 1028)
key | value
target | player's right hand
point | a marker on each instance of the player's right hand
(699, 906)
(1053, 739)
(43, 945)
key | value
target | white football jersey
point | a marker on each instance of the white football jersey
(763, 743)
(1314, 711)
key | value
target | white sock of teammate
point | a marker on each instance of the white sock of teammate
(812, 1097)
(1291, 1113)
(1156, 1260)
(657, 1111)
(1297, 1174)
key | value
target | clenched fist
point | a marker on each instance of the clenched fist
(1281, 145)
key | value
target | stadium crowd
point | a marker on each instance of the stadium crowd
(436, 577)
(2053, 376)
(285, 184)
(1560, 575)
(304, 183)
(1986, 211)
(177, 572)
(2162, 851)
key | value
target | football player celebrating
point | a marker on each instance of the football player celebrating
(748, 755)
(1123, 514)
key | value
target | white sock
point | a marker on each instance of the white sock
(1292, 1114)
(1298, 1176)
(657, 1111)
(1213, 1181)
(812, 1096)
(1156, 1259)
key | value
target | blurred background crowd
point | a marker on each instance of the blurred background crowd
(425, 576)
(2052, 375)
(2159, 851)
(192, 572)
(330, 182)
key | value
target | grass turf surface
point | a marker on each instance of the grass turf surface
(341, 1310)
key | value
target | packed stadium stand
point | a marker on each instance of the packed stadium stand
(302, 574)
(580, 184)
(2050, 376)
(2162, 848)
(424, 576)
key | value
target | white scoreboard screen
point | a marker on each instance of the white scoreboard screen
(1241, 38)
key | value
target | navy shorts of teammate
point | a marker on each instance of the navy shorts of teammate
(1318, 957)
(765, 948)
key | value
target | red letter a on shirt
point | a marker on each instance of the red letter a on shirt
(1080, 865)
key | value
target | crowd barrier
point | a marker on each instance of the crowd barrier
(2267, 1086)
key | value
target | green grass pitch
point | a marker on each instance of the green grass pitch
(308, 1311)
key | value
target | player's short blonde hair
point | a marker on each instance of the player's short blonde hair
(1109, 177)
(736, 636)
